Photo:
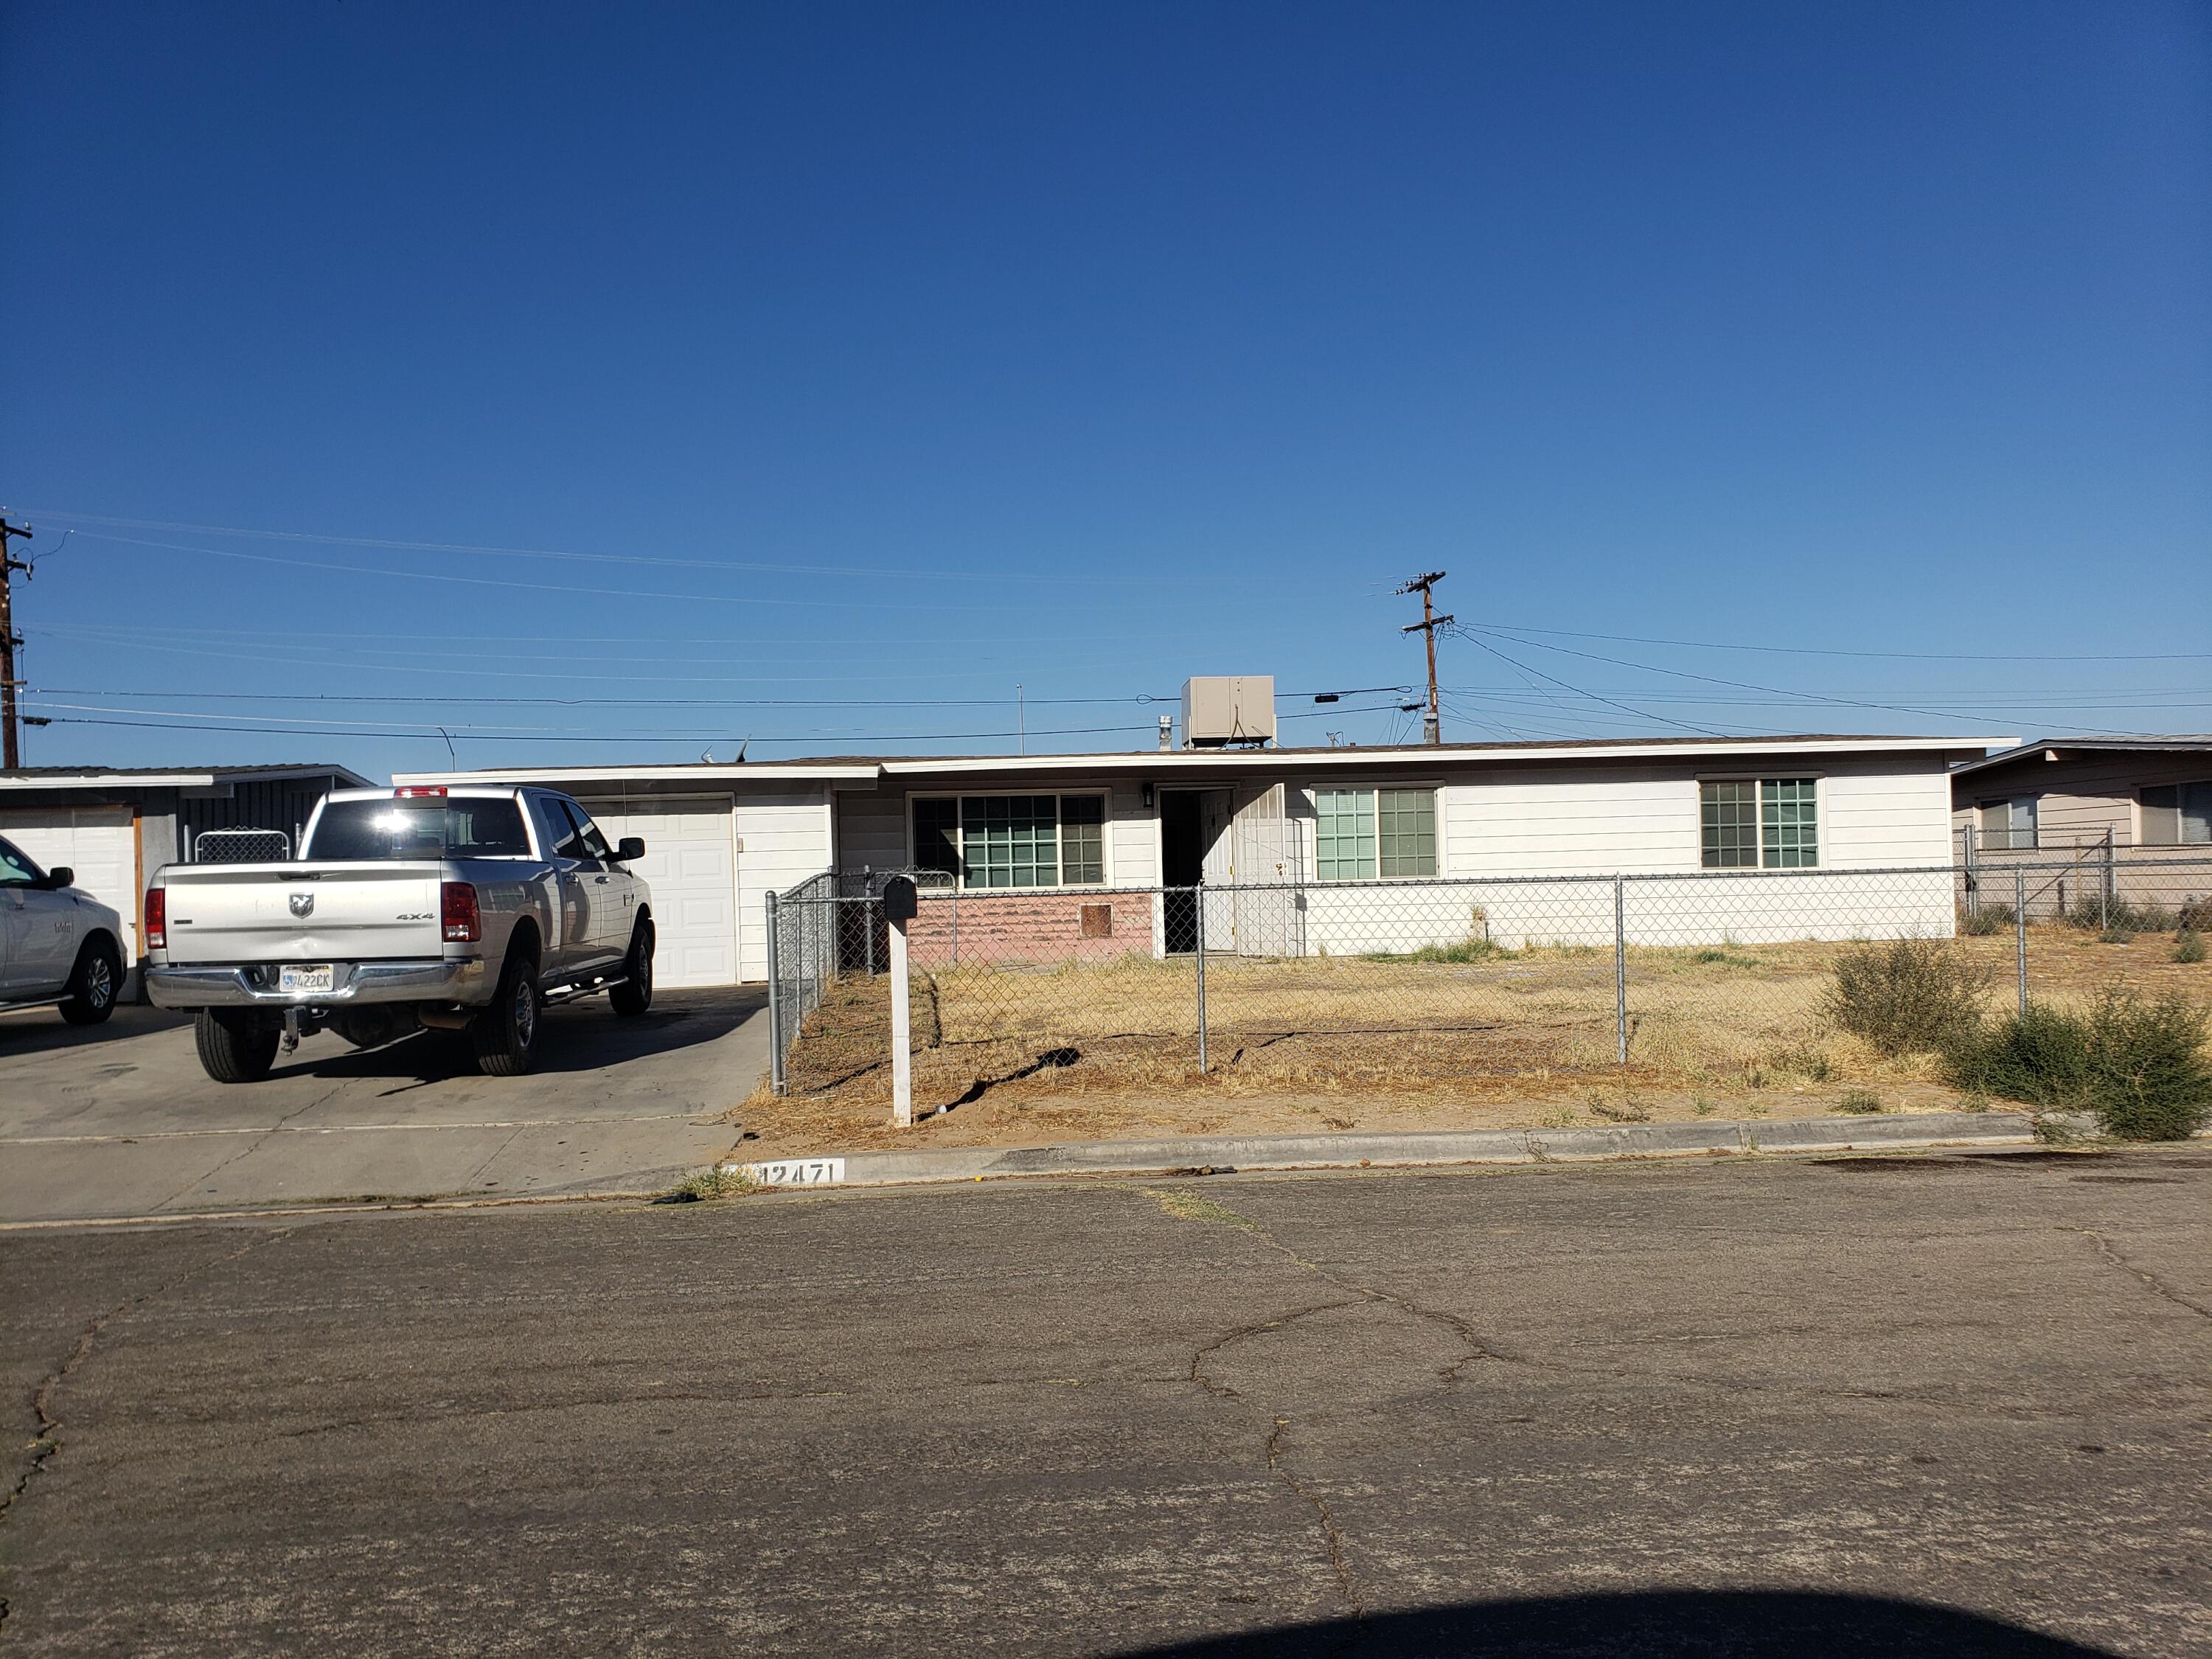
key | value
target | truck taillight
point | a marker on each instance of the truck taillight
(418, 791)
(157, 919)
(458, 914)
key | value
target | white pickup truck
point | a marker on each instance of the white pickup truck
(464, 909)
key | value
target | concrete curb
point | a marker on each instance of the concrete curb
(1224, 1152)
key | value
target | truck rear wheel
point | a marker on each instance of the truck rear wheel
(234, 1047)
(634, 994)
(505, 1035)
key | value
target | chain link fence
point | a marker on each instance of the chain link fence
(1519, 981)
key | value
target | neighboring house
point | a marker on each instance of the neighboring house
(1055, 848)
(2066, 795)
(114, 826)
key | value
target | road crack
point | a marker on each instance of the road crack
(47, 1441)
(2105, 1249)
(257, 1144)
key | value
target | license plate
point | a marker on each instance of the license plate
(295, 977)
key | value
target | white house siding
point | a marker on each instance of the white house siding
(784, 836)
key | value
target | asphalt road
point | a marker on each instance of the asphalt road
(1935, 1405)
(118, 1119)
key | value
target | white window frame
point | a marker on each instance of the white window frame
(1822, 845)
(1433, 788)
(2012, 827)
(960, 883)
(2177, 786)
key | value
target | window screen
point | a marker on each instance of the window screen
(2178, 815)
(1083, 838)
(1406, 821)
(1010, 841)
(1729, 814)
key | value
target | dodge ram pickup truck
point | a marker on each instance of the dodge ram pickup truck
(464, 909)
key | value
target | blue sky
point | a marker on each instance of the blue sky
(863, 363)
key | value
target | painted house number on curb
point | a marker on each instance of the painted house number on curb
(795, 1171)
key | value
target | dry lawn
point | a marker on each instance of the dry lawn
(1524, 1039)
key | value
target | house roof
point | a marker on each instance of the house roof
(2179, 743)
(863, 768)
(168, 777)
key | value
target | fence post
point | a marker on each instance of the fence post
(775, 1077)
(1620, 965)
(1973, 885)
(2020, 932)
(2112, 889)
(1198, 899)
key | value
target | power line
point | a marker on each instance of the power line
(1808, 697)
(491, 551)
(1663, 720)
(1508, 630)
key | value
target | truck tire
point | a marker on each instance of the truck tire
(505, 1035)
(634, 994)
(234, 1047)
(93, 984)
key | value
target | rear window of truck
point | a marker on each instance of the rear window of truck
(362, 829)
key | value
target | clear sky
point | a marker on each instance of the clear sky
(826, 372)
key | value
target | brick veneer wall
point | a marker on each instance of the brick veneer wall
(1025, 927)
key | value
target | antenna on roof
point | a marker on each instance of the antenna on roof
(743, 743)
(706, 757)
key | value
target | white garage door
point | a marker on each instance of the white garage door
(690, 864)
(98, 843)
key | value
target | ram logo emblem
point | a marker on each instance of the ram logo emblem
(303, 904)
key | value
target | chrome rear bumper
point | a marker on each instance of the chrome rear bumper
(242, 986)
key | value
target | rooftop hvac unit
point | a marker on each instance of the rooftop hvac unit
(1220, 709)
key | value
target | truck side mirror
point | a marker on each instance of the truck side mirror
(901, 903)
(60, 876)
(629, 850)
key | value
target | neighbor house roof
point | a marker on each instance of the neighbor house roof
(2057, 748)
(168, 777)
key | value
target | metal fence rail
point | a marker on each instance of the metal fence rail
(1320, 985)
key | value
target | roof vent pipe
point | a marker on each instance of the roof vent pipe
(1167, 733)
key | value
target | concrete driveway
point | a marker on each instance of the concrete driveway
(120, 1120)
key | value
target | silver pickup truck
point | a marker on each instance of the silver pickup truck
(464, 909)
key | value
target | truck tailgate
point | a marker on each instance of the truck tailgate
(321, 912)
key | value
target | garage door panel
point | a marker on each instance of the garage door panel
(98, 843)
(690, 865)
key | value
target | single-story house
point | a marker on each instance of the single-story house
(116, 825)
(1052, 846)
(2063, 794)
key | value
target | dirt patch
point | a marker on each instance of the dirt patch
(1031, 1054)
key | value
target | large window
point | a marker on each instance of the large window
(1361, 834)
(1013, 840)
(1745, 825)
(2178, 815)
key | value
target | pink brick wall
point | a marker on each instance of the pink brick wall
(1025, 927)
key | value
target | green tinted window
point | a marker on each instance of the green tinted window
(1344, 834)
(1788, 836)
(1729, 824)
(1010, 841)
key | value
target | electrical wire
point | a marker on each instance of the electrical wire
(1460, 631)
(1508, 630)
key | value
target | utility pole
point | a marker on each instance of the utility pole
(10, 756)
(1432, 731)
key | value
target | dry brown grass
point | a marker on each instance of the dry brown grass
(1017, 1056)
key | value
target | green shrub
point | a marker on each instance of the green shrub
(2139, 1066)
(2119, 915)
(1989, 918)
(2115, 936)
(2188, 945)
(1860, 1102)
(1912, 993)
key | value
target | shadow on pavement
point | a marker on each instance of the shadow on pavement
(41, 1030)
(1740, 1625)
